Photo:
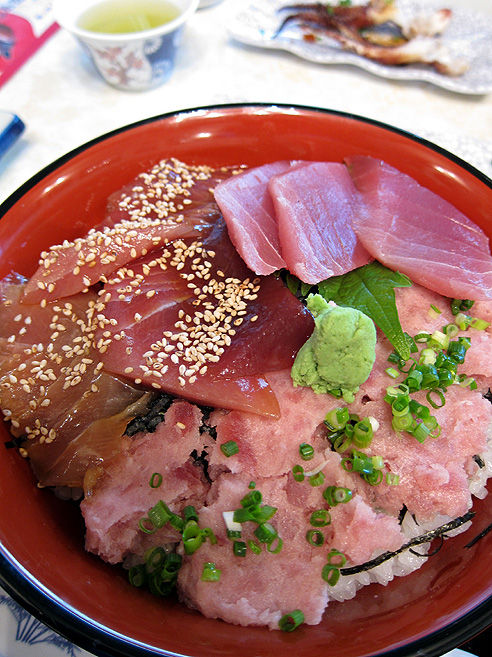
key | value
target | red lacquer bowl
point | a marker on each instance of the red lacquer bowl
(42, 561)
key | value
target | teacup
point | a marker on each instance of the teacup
(132, 61)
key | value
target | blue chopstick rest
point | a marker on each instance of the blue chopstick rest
(11, 127)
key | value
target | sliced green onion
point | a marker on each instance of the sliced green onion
(315, 537)
(242, 515)
(422, 337)
(479, 324)
(363, 433)
(343, 442)
(419, 410)
(337, 418)
(160, 514)
(427, 356)
(193, 537)
(394, 357)
(431, 398)
(155, 480)
(229, 448)
(390, 371)
(263, 513)
(457, 350)
(439, 339)
(420, 432)
(291, 621)
(251, 484)
(331, 574)
(336, 558)
(155, 558)
(465, 381)
(460, 304)
(434, 311)
(402, 422)
(239, 548)
(306, 451)
(320, 518)
(337, 495)
(317, 479)
(189, 513)
(265, 532)
(392, 479)
(451, 330)
(252, 499)
(298, 472)
(377, 461)
(208, 533)
(145, 525)
(210, 572)
(400, 405)
(275, 545)
(234, 533)
(172, 565)
(254, 546)
(463, 321)
(414, 380)
(137, 575)
(373, 478)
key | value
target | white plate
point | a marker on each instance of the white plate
(469, 35)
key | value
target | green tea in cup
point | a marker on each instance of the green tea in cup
(127, 16)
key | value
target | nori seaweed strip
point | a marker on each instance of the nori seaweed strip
(201, 461)
(154, 415)
(15, 442)
(418, 540)
(429, 554)
(479, 536)
(402, 514)
(479, 461)
(205, 427)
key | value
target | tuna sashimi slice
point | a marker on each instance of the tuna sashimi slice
(411, 229)
(229, 331)
(250, 216)
(168, 201)
(315, 204)
(122, 494)
(381, 183)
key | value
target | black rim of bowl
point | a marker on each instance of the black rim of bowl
(105, 642)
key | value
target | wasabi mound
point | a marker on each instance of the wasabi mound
(340, 353)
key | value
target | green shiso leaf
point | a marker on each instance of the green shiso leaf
(370, 289)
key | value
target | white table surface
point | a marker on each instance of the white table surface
(64, 104)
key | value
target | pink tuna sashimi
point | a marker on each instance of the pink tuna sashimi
(122, 495)
(377, 180)
(411, 229)
(169, 201)
(248, 210)
(315, 204)
(229, 331)
(259, 588)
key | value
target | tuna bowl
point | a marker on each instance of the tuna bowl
(43, 564)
